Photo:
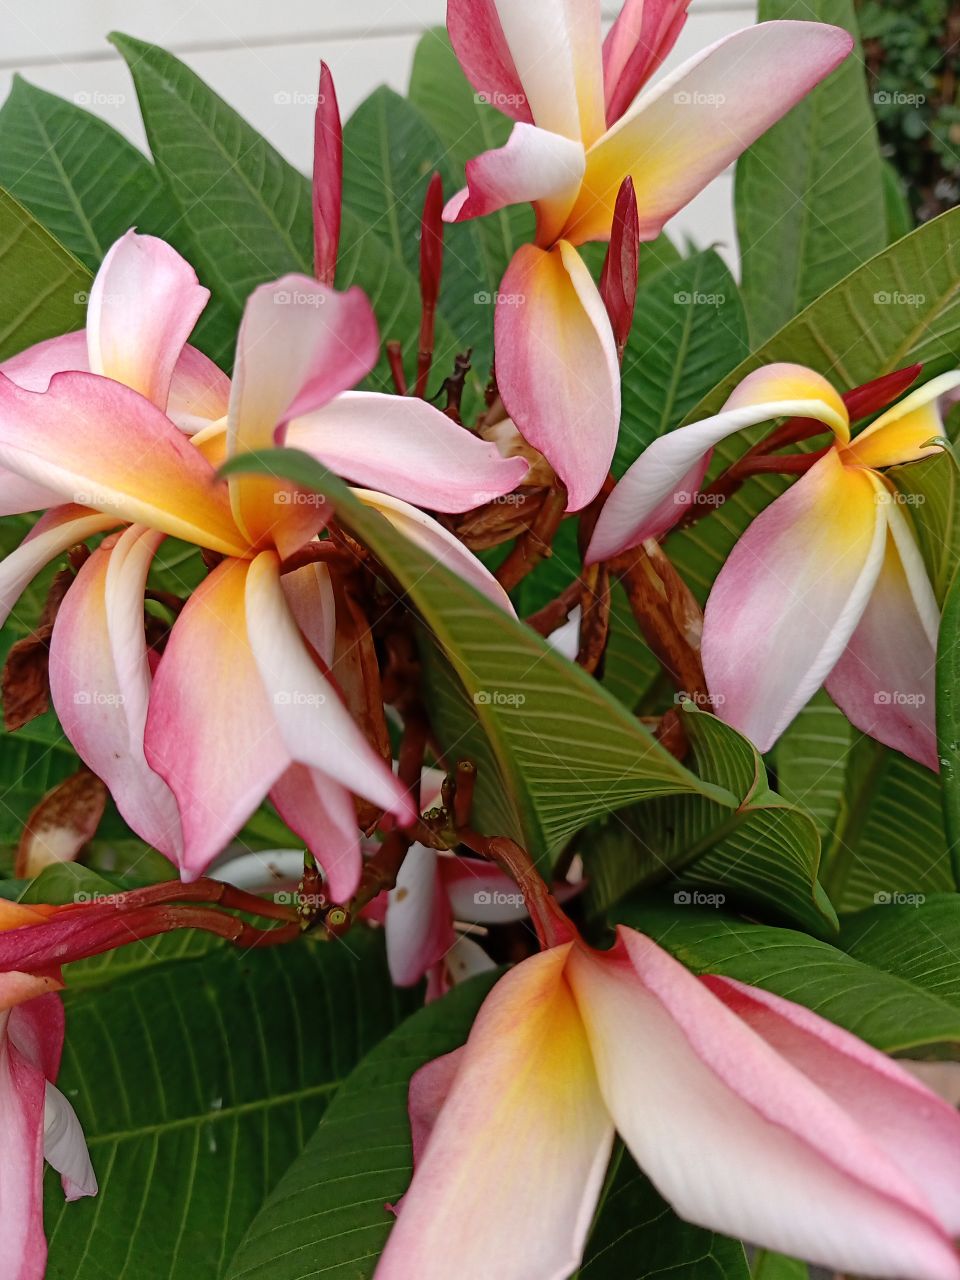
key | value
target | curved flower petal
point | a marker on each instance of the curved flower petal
(405, 447)
(101, 445)
(300, 344)
(790, 596)
(902, 433)
(680, 134)
(549, 48)
(419, 927)
(917, 1131)
(322, 814)
(734, 1135)
(644, 33)
(51, 536)
(143, 305)
(436, 541)
(535, 166)
(885, 680)
(482, 50)
(100, 683)
(211, 732)
(23, 1247)
(656, 490)
(64, 1146)
(557, 366)
(313, 723)
(479, 892)
(524, 1084)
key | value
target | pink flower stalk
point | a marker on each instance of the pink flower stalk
(37, 1121)
(585, 122)
(751, 1115)
(124, 426)
(827, 585)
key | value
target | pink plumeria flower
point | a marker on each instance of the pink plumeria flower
(751, 1115)
(37, 1121)
(239, 704)
(583, 126)
(827, 585)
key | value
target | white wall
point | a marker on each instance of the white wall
(263, 58)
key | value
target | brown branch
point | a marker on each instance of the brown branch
(535, 545)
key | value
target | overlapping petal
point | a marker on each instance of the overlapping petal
(790, 596)
(52, 535)
(143, 305)
(685, 130)
(525, 1084)
(557, 366)
(100, 683)
(404, 447)
(481, 47)
(736, 1136)
(419, 926)
(323, 815)
(885, 680)
(903, 433)
(102, 445)
(656, 490)
(641, 37)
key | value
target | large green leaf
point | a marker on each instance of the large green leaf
(248, 212)
(810, 191)
(81, 179)
(916, 938)
(810, 761)
(890, 838)
(900, 307)
(895, 1013)
(390, 153)
(765, 853)
(44, 286)
(565, 751)
(689, 331)
(197, 1080)
(328, 1213)
(637, 1236)
(948, 719)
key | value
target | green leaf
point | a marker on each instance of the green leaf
(638, 1236)
(690, 330)
(390, 153)
(810, 761)
(948, 720)
(81, 179)
(248, 212)
(890, 836)
(809, 193)
(197, 1081)
(774, 1266)
(44, 287)
(915, 938)
(765, 853)
(891, 1012)
(467, 127)
(564, 750)
(900, 307)
(900, 219)
(327, 1214)
(930, 490)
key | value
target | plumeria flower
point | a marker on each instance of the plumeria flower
(827, 585)
(751, 1115)
(241, 703)
(585, 122)
(37, 1121)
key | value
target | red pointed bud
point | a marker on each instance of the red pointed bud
(866, 400)
(327, 179)
(618, 281)
(431, 271)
